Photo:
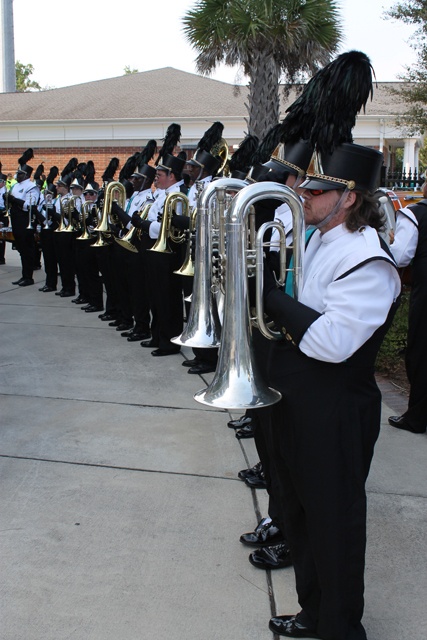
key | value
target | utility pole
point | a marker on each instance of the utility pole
(7, 48)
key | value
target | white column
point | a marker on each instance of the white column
(409, 162)
(7, 48)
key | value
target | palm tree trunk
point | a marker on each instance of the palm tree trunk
(263, 100)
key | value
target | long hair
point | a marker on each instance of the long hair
(365, 211)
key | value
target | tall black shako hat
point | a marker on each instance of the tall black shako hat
(325, 114)
(66, 176)
(142, 168)
(206, 156)
(274, 161)
(23, 167)
(173, 164)
(241, 160)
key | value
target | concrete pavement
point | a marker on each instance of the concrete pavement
(120, 506)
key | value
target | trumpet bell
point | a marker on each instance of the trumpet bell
(126, 244)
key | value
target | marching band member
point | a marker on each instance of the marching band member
(22, 198)
(48, 225)
(3, 219)
(63, 240)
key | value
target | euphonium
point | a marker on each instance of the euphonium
(103, 228)
(71, 227)
(166, 229)
(128, 240)
(84, 214)
(187, 267)
(62, 225)
(203, 326)
(237, 383)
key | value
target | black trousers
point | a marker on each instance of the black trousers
(25, 244)
(64, 246)
(49, 257)
(104, 258)
(416, 353)
(324, 431)
(87, 271)
(165, 294)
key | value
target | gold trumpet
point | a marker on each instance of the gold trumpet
(103, 228)
(71, 205)
(167, 231)
(62, 225)
(128, 241)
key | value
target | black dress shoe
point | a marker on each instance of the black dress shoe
(266, 534)
(93, 308)
(137, 337)
(256, 482)
(273, 557)
(126, 334)
(190, 363)
(400, 423)
(123, 326)
(240, 422)
(26, 282)
(165, 352)
(106, 317)
(256, 470)
(80, 300)
(248, 431)
(202, 367)
(67, 294)
(47, 289)
(149, 343)
(291, 627)
(115, 323)
(86, 306)
(18, 281)
(59, 293)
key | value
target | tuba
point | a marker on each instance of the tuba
(167, 231)
(237, 383)
(203, 326)
(128, 240)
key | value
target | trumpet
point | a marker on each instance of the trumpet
(167, 231)
(237, 383)
(62, 203)
(30, 226)
(128, 240)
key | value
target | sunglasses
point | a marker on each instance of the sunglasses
(316, 192)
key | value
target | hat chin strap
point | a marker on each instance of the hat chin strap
(334, 211)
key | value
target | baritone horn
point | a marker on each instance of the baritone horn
(187, 267)
(128, 240)
(237, 383)
(167, 231)
(103, 229)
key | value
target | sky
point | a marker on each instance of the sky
(86, 40)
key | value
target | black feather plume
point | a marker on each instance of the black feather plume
(325, 113)
(182, 155)
(147, 153)
(109, 172)
(211, 137)
(81, 168)
(70, 167)
(129, 167)
(171, 139)
(53, 174)
(26, 156)
(268, 145)
(242, 158)
(38, 172)
(90, 172)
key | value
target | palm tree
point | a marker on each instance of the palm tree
(268, 39)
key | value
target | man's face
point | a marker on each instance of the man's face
(90, 196)
(76, 191)
(137, 182)
(164, 179)
(61, 189)
(317, 207)
(193, 171)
